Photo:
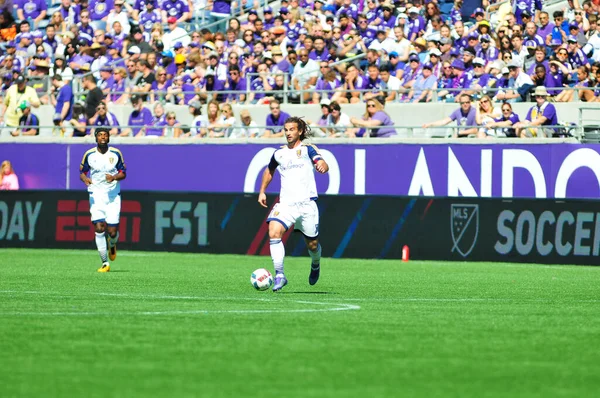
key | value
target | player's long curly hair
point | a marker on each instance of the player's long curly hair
(303, 127)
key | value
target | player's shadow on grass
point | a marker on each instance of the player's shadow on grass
(120, 270)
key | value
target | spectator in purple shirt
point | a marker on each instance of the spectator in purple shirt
(237, 83)
(32, 9)
(543, 113)
(416, 24)
(377, 122)
(502, 126)
(546, 27)
(275, 120)
(139, 120)
(99, 9)
(327, 84)
(319, 52)
(178, 9)
(464, 117)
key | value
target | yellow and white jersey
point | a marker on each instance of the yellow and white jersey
(98, 165)
(297, 172)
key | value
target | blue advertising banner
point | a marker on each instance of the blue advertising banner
(444, 170)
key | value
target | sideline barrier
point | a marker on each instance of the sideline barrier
(472, 168)
(453, 229)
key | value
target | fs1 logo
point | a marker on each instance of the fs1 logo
(464, 226)
(176, 223)
(73, 223)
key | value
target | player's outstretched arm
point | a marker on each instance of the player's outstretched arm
(322, 166)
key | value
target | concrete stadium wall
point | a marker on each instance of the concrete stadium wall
(404, 115)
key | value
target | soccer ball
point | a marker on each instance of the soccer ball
(261, 279)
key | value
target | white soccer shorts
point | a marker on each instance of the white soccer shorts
(104, 207)
(303, 215)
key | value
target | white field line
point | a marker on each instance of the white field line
(330, 306)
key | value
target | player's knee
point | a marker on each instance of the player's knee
(100, 227)
(312, 244)
(276, 230)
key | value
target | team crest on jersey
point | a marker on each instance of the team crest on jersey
(276, 213)
(111, 160)
(299, 153)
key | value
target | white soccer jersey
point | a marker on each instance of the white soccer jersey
(297, 172)
(98, 165)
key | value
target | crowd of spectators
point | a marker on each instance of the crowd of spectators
(149, 53)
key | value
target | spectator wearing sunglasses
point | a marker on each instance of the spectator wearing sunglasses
(502, 126)
(104, 118)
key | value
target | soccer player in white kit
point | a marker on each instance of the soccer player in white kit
(106, 168)
(297, 205)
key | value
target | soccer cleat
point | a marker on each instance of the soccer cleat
(112, 252)
(280, 282)
(314, 273)
(105, 268)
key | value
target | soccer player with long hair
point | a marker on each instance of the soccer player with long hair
(297, 199)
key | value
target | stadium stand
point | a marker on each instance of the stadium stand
(305, 54)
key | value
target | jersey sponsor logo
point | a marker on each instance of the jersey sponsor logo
(18, 220)
(464, 227)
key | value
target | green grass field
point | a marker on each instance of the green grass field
(183, 325)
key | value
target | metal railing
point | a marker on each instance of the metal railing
(340, 133)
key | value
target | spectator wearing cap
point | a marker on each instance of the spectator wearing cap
(175, 34)
(416, 24)
(487, 52)
(579, 27)
(35, 10)
(435, 59)
(38, 40)
(13, 97)
(461, 81)
(139, 120)
(468, 57)
(519, 84)
(375, 122)
(106, 80)
(480, 79)
(424, 85)
(388, 19)
(410, 74)
(211, 86)
(527, 8)
(275, 120)
(199, 123)
(576, 55)
(148, 15)
(560, 31)
(464, 118)
(382, 42)
(248, 127)
(543, 113)
(29, 124)
(268, 19)
(104, 118)
(136, 44)
(397, 67)
(281, 64)
(120, 13)
(473, 41)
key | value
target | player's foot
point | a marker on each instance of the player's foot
(105, 268)
(315, 270)
(112, 252)
(280, 282)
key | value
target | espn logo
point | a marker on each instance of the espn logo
(73, 222)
